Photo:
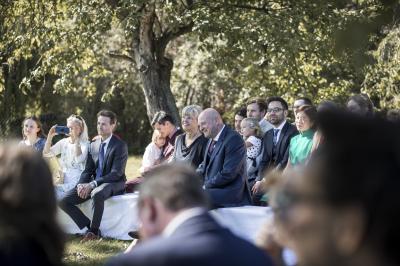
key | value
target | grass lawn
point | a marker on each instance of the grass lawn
(98, 252)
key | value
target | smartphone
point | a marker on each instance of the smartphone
(62, 130)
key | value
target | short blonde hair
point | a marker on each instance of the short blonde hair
(192, 111)
(253, 124)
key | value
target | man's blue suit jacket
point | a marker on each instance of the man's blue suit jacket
(199, 241)
(115, 160)
(224, 171)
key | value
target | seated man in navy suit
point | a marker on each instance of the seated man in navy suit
(275, 143)
(103, 177)
(224, 164)
(177, 229)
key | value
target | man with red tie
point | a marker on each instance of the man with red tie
(224, 164)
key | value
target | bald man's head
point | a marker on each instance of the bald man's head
(210, 122)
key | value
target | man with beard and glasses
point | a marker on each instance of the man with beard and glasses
(275, 142)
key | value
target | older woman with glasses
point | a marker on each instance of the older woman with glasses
(73, 151)
(190, 146)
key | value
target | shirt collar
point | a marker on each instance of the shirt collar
(219, 134)
(107, 140)
(179, 219)
(173, 132)
(281, 125)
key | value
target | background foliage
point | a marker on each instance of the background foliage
(64, 57)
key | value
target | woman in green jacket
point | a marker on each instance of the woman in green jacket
(300, 145)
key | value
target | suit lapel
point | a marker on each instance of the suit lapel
(282, 135)
(218, 145)
(270, 142)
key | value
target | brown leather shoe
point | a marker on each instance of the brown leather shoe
(90, 236)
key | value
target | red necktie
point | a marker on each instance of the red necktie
(212, 146)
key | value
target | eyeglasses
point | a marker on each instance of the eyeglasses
(274, 110)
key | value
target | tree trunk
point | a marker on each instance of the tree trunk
(154, 67)
(157, 89)
(148, 43)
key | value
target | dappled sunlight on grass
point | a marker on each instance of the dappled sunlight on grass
(132, 166)
(93, 252)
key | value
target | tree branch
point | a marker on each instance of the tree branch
(170, 35)
(116, 55)
(146, 34)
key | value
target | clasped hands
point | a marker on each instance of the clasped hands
(84, 190)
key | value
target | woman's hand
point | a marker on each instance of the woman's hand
(52, 132)
(47, 145)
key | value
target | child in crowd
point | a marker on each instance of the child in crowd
(251, 134)
(152, 153)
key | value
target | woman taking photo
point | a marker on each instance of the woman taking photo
(73, 151)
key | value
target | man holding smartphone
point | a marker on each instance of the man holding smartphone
(103, 177)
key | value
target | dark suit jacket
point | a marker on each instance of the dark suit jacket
(114, 162)
(278, 157)
(199, 241)
(224, 172)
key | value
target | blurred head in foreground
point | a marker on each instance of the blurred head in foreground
(29, 234)
(343, 207)
(166, 191)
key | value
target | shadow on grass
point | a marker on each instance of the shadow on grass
(93, 252)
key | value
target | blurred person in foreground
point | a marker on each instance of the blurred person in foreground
(393, 115)
(342, 208)
(29, 234)
(177, 229)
